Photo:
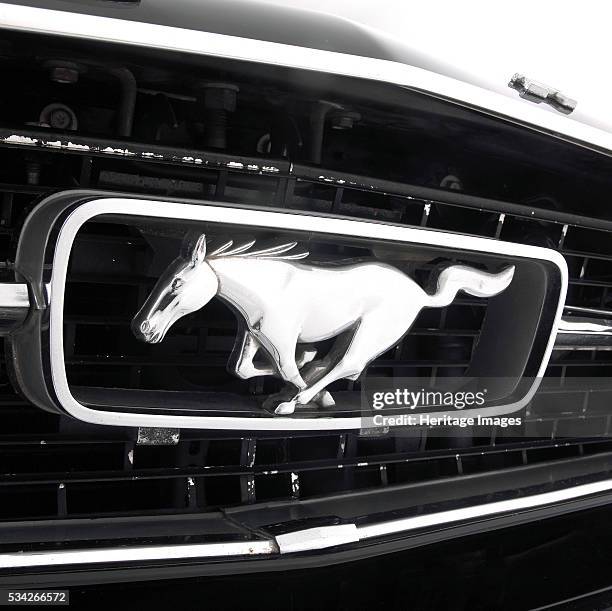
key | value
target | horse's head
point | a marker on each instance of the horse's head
(187, 285)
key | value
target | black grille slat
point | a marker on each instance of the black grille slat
(288, 467)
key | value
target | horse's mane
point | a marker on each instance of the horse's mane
(272, 250)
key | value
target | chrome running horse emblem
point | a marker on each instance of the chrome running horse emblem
(284, 306)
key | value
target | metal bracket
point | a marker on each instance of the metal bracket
(317, 538)
(150, 436)
(537, 92)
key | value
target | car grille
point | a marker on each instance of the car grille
(54, 468)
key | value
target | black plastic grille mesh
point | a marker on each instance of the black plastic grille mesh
(55, 467)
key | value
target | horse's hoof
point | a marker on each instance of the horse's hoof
(306, 356)
(285, 408)
(324, 399)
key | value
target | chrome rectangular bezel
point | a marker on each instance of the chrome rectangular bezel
(265, 219)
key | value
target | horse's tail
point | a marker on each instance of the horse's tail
(472, 281)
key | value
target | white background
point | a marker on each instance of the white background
(566, 45)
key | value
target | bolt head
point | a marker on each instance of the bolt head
(344, 120)
(60, 119)
(220, 99)
(220, 96)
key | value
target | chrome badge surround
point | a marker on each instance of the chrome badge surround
(265, 219)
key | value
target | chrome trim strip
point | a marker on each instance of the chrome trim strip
(597, 312)
(212, 212)
(14, 307)
(585, 332)
(481, 511)
(584, 326)
(14, 296)
(300, 541)
(138, 553)
(64, 23)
